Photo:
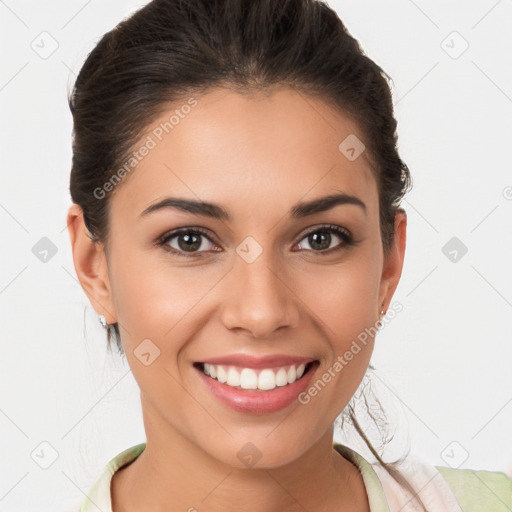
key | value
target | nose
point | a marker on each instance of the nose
(260, 298)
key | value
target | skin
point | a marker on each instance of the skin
(256, 155)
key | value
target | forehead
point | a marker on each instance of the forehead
(258, 150)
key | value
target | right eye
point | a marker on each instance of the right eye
(185, 242)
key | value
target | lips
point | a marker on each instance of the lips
(256, 384)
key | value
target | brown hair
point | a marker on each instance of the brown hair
(170, 49)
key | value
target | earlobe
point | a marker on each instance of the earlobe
(394, 261)
(90, 265)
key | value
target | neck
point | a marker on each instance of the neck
(172, 473)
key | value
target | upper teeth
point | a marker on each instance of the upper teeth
(248, 378)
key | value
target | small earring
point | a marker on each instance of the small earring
(102, 320)
(379, 321)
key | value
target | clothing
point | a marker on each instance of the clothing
(441, 489)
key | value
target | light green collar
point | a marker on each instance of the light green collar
(98, 497)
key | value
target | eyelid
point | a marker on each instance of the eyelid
(315, 228)
(186, 229)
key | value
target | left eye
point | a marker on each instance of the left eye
(320, 239)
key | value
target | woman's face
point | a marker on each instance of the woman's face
(261, 292)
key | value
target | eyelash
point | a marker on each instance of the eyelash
(344, 234)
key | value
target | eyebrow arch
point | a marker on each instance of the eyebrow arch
(300, 210)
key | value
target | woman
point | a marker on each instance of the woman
(236, 225)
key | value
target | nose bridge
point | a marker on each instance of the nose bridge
(260, 300)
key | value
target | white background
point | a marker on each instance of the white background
(444, 362)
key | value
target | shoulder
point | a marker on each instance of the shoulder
(479, 490)
(441, 489)
(98, 497)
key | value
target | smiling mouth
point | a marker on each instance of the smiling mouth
(262, 379)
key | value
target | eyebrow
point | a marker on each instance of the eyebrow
(215, 211)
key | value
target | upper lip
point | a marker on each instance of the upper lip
(249, 361)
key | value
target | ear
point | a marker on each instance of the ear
(394, 261)
(90, 265)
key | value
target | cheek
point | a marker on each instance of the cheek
(346, 311)
(344, 303)
(153, 294)
(343, 298)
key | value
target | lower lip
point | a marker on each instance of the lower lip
(258, 402)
